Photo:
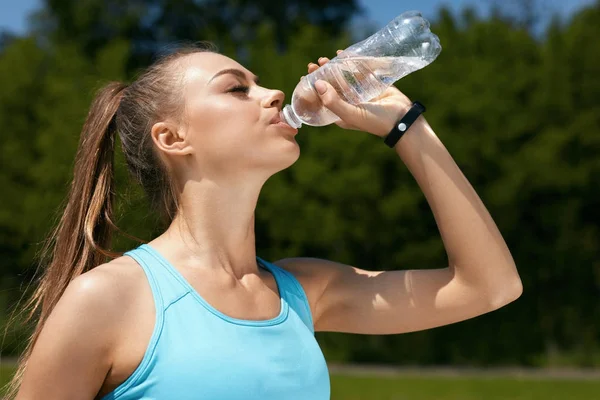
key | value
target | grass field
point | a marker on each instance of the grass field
(474, 388)
(446, 388)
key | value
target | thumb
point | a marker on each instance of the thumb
(332, 100)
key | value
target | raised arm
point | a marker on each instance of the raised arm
(480, 277)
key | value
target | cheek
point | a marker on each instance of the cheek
(225, 129)
(217, 117)
(221, 122)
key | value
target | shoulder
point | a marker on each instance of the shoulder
(313, 274)
(110, 282)
(315, 270)
(75, 347)
(317, 274)
(105, 292)
(99, 303)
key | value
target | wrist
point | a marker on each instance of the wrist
(416, 140)
(403, 124)
(400, 111)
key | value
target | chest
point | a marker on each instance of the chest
(276, 362)
(198, 354)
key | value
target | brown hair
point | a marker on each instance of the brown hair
(81, 240)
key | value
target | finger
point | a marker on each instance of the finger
(334, 102)
(312, 67)
(339, 51)
(323, 61)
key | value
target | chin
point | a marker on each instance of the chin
(287, 156)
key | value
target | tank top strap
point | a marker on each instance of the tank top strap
(292, 291)
(166, 288)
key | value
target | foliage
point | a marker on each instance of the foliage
(520, 115)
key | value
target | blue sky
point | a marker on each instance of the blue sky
(13, 13)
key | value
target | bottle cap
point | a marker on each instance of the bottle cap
(289, 116)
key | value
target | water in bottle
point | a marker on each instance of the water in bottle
(364, 70)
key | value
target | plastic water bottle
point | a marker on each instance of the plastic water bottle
(366, 69)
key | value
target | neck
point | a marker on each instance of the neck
(214, 227)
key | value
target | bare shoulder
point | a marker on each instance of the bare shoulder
(331, 287)
(107, 288)
(314, 275)
(104, 294)
(119, 277)
(75, 348)
(317, 274)
(314, 270)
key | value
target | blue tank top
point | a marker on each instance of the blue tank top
(196, 352)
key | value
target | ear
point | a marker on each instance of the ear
(169, 139)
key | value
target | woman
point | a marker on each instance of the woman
(194, 313)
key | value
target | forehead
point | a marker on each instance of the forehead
(199, 68)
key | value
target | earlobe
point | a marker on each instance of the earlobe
(168, 139)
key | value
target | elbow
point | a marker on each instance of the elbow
(507, 293)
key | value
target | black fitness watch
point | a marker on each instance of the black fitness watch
(402, 125)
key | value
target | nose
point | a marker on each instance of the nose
(274, 99)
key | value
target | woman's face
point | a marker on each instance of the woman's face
(232, 122)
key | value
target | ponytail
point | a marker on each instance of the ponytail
(81, 240)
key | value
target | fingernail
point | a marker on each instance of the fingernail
(321, 87)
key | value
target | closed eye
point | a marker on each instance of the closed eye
(239, 89)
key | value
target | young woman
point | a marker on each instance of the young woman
(194, 313)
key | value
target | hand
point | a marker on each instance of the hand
(376, 116)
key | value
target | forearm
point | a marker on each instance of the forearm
(476, 250)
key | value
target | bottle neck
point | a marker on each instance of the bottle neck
(289, 116)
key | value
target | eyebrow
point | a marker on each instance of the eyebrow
(233, 71)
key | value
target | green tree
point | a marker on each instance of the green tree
(518, 112)
(150, 24)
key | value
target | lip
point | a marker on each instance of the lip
(276, 120)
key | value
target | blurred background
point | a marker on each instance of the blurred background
(514, 95)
